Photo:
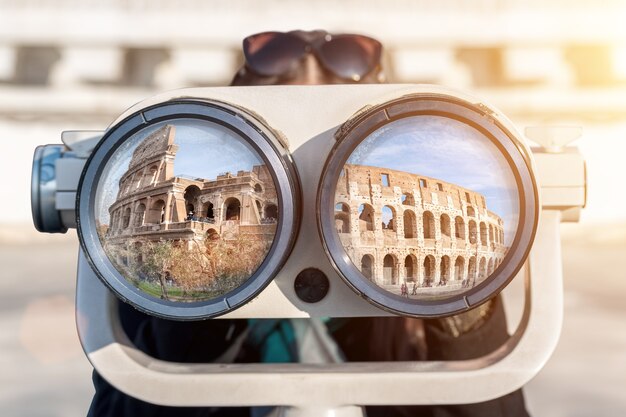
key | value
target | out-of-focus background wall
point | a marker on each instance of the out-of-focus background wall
(76, 64)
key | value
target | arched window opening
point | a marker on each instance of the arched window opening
(342, 218)
(407, 199)
(410, 224)
(482, 269)
(471, 272)
(191, 210)
(258, 188)
(445, 225)
(429, 271)
(459, 227)
(127, 186)
(232, 209)
(366, 218)
(444, 269)
(191, 194)
(126, 218)
(140, 214)
(207, 210)
(490, 267)
(459, 266)
(152, 175)
(367, 262)
(491, 235)
(342, 208)
(483, 234)
(157, 212)
(271, 212)
(471, 212)
(429, 225)
(410, 268)
(389, 270)
(388, 218)
(113, 222)
(473, 233)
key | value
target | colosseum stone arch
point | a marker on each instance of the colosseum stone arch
(153, 204)
(399, 227)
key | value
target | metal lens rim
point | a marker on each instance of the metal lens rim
(478, 116)
(259, 137)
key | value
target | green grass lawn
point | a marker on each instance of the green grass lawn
(177, 294)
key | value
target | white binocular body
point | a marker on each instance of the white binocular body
(311, 201)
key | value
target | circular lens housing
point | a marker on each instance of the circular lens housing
(427, 206)
(187, 209)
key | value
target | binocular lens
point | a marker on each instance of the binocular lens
(426, 207)
(428, 204)
(186, 210)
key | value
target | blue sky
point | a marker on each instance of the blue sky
(449, 150)
(205, 150)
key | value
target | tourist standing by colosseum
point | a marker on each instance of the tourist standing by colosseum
(468, 335)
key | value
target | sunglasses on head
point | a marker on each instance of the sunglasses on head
(347, 56)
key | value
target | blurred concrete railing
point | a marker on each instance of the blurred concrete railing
(96, 57)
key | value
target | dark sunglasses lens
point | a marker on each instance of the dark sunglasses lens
(273, 53)
(350, 56)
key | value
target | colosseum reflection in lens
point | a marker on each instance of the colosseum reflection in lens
(180, 236)
(420, 236)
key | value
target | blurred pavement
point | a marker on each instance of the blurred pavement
(46, 374)
(586, 376)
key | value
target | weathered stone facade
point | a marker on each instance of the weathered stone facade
(154, 204)
(438, 235)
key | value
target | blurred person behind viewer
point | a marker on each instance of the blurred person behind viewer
(301, 57)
